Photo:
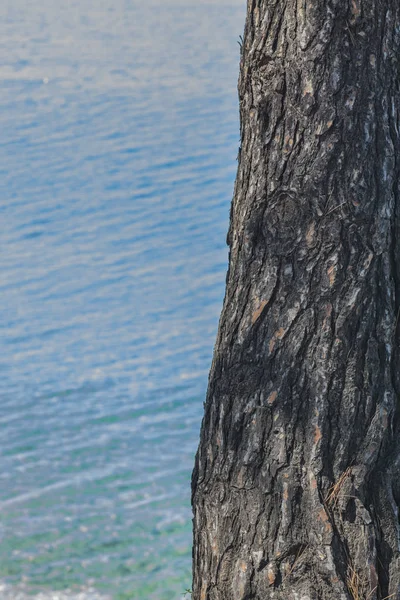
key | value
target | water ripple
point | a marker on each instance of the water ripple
(119, 139)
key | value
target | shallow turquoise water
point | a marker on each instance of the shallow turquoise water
(119, 138)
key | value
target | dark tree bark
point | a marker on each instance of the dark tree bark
(296, 485)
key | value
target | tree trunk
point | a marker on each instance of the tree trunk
(296, 485)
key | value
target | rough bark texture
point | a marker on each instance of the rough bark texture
(296, 485)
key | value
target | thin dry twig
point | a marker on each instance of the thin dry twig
(354, 583)
(332, 496)
(350, 33)
(296, 561)
(328, 201)
(335, 208)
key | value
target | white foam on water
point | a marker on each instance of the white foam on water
(12, 592)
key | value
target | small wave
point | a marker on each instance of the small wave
(92, 475)
(12, 592)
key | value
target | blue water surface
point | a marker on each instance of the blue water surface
(120, 132)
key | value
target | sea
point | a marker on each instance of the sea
(118, 147)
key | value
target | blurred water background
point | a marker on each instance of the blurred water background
(119, 124)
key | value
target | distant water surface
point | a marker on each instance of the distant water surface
(120, 132)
